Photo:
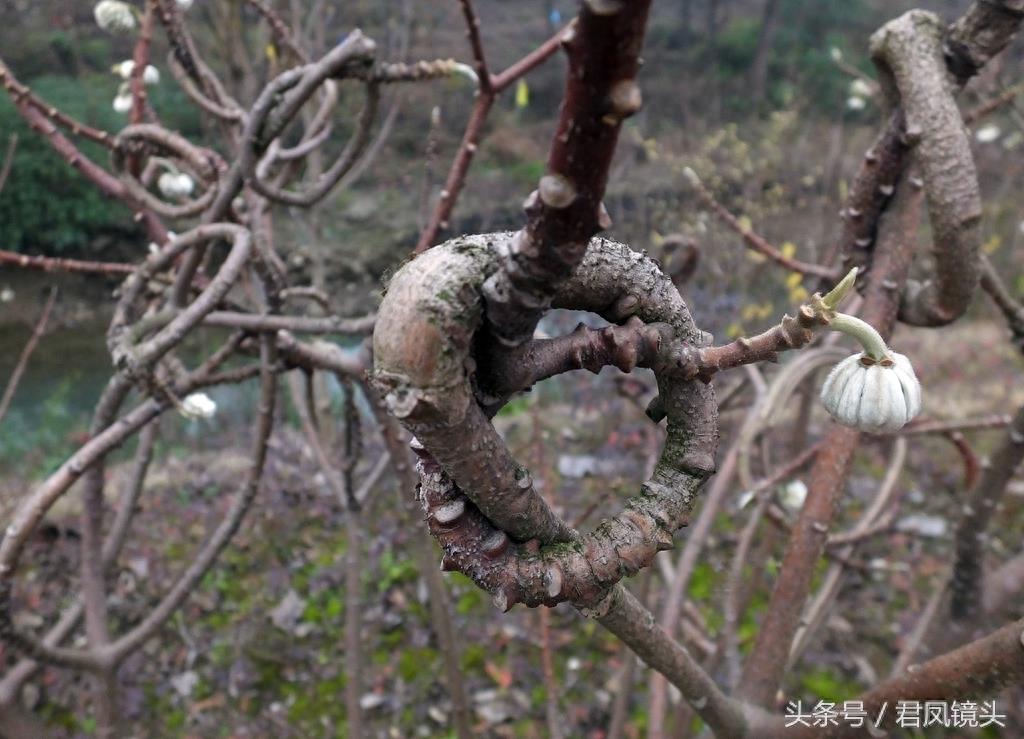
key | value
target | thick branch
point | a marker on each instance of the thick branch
(630, 621)
(981, 33)
(909, 54)
(566, 210)
(978, 670)
(979, 508)
(421, 349)
(472, 135)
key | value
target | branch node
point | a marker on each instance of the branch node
(495, 545)
(626, 98)
(449, 513)
(557, 191)
(604, 7)
(553, 580)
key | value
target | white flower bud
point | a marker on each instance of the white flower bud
(793, 495)
(114, 16)
(861, 88)
(151, 75)
(988, 134)
(872, 395)
(855, 103)
(184, 4)
(123, 99)
(198, 405)
(175, 185)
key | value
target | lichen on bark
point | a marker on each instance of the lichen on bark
(480, 502)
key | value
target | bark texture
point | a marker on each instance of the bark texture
(480, 502)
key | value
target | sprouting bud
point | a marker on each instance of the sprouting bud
(114, 16)
(466, 71)
(872, 394)
(175, 185)
(837, 294)
(150, 75)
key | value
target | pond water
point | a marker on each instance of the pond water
(69, 368)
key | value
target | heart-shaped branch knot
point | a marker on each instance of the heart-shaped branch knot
(444, 380)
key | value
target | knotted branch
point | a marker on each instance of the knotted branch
(482, 506)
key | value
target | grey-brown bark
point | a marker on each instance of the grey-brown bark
(909, 54)
(429, 384)
(979, 508)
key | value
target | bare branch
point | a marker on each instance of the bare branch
(473, 133)
(754, 240)
(980, 506)
(976, 670)
(909, 54)
(565, 211)
(8, 161)
(26, 354)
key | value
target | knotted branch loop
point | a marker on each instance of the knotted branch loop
(132, 349)
(480, 502)
(147, 139)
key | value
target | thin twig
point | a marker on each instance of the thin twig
(754, 240)
(26, 353)
(55, 264)
(473, 133)
(8, 161)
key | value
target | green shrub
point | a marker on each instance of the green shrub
(49, 208)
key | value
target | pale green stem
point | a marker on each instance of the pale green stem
(863, 332)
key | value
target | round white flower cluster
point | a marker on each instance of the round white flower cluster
(198, 405)
(114, 16)
(175, 185)
(150, 75)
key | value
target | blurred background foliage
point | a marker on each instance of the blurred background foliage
(699, 53)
